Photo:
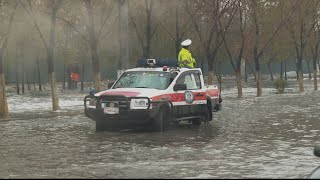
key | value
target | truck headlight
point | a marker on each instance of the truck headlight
(139, 104)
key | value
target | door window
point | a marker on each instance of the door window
(192, 81)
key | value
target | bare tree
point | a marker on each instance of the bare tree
(17, 71)
(146, 36)
(240, 46)
(314, 44)
(260, 47)
(93, 41)
(39, 74)
(4, 111)
(54, 7)
(183, 25)
(300, 29)
(123, 62)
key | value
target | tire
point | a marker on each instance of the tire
(162, 121)
(209, 111)
(100, 125)
(218, 107)
(316, 150)
(103, 125)
(196, 122)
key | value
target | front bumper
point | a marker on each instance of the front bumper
(126, 116)
(131, 117)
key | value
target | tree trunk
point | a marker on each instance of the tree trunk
(28, 84)
(69, 77)
(123, 63)
(319, 64)
(210, 77)
(300, 77)
(210, 70)
(309, 71)
(64, 74)
(22, 74)
(239, 82)
(17, 75)
(297, 71)
(4, 111)
(259, 86)
(255, 49)
(270, 70)
(203, 61)
(93, 47)
(34, 79)
(253, 72)
(315, 72)
(285, 71)
(66, 45)
(246, 73)
(39, 77)
(281, 70)
(82, 76)
(55, 98)
(148, 28)
(258, 77)
(178, 37)
(7, 74)
(218, 74)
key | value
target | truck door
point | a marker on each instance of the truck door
(193, 99)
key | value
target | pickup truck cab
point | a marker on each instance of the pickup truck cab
(156, 94)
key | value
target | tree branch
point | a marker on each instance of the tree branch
(30, 12)
(5, 41)
(103, 22)
(138, 35)
(74, 27)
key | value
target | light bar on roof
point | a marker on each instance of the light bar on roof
(159, 62)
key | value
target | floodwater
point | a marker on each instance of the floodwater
(253, 137)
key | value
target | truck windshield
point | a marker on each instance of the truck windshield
(143, 79)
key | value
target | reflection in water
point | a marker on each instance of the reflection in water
(253, 137)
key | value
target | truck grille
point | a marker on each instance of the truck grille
(118, 101)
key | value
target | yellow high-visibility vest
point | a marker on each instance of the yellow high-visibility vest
(185, 58)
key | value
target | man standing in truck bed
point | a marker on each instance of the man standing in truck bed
(185, 58)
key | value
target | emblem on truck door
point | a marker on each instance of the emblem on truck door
(188, 97)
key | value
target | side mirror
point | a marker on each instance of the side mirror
(110, 84)
(316, 150)
(179, 87)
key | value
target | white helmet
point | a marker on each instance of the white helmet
(186, 42)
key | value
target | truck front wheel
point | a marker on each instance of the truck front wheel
(162, 120)
(101, 125)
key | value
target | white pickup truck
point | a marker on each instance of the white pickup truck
(154, 95)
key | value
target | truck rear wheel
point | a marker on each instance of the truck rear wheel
(209, 111)
(196, 122)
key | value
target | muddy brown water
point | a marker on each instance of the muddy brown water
(254, 137)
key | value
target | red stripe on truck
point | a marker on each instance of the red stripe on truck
(213, 92)
(124, 93)
(177, 97)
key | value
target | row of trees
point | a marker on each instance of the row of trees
(122, 31)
